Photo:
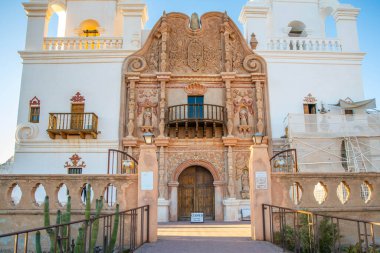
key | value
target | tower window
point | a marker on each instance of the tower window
(297, 29)
(34, 110)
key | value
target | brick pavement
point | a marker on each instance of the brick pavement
(210, 237)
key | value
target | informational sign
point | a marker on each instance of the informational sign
(147, 181)
(261, 179)
(197, 218)
(246, 214)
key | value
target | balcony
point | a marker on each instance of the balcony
(67, 124)
(196, 120)
(305, 44)
(82, 43)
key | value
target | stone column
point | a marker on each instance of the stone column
(132, 105)
(148, 186)
(38, 19)
(254, 17)
(135, 17)
(228, 78)
(163, 203)
(173, 195)
(260, 188)
(219, 192)
(346, 27)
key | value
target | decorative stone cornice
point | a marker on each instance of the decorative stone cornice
(36, 9)
(164, 76)
(253, 10)
(345, 12)
(134, 8)
(228, 76)
(34, 102)
(162, 141)
(230, 141)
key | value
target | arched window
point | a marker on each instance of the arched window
(297, 29)
(89, 28)
(57, 21)
(34, 110)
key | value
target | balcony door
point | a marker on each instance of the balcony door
(195, 110)
(77, 114)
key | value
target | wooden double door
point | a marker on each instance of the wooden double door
(196, 193)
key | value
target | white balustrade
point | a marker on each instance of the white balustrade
(304, 44)
(82, 43)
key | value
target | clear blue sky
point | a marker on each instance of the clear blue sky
(12, 38)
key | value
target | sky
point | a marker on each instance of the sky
(13, 23)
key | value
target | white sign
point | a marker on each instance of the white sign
(261, 180)
(197, 218)
(147, 181)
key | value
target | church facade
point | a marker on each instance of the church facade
(199, 84)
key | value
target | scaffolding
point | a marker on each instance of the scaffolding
(335, 142)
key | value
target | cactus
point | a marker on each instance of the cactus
(50, 231)
(95, 225)
(38, 242)
(66, 218)
(111, 246)
(79, 243)
(87, 212)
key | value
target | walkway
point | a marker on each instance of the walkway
(210, 237)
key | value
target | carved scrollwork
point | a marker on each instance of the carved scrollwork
(26, 131)
(136, 64)
(252, 64)
(195, 89)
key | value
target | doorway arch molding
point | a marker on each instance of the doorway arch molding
(202, 163)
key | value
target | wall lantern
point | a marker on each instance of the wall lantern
(258, 138)
(148, 138)
(128, 167)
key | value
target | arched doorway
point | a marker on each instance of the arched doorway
(196, 193)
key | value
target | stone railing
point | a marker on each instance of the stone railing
(304, 44)
(82, 43)
(330, 192)
(24, 194)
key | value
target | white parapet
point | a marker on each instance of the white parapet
(305, 44)
(82, 43)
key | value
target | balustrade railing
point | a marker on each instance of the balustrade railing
(196, 112)
(304, 44)
(82, 43)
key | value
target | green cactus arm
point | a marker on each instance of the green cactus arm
(88, 202)
(115, 228)
(95, 225)
(46, 212)
(79, 242)
(38, 242)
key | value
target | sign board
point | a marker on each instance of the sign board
(245, 214)
(261, 180)
(197, 218)
(147, 181)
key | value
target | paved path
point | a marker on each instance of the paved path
(211, 237)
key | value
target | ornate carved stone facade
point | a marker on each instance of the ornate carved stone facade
(184, 58)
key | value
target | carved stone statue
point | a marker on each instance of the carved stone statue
(195, 23)
(147, 117)
(245, 185)
(243, 115)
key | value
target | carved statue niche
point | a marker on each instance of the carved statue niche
(245, 184)
(147, 117)
(147, 108)
(244, 127)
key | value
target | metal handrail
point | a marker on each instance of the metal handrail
(287, 222)
(107, 218)
(116, 158)
(294, 151)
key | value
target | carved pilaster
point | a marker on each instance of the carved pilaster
(260, 106)
(164, 38)
(163, 78)
(161, 174)
(228, 77)
(231, 179)
(132, 105)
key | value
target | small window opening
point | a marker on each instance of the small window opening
(34, 111)
(297, 29)
(349, 112)
(310, 108)
(75, 171)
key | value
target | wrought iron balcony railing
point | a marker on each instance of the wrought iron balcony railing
(196, 113)
(81, 124)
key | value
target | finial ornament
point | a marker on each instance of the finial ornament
(195, 23)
